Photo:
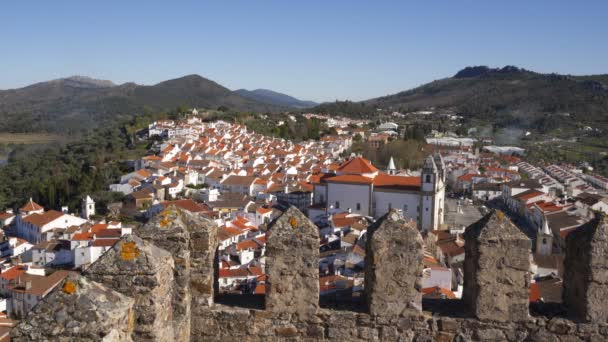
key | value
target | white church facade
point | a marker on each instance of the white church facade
(360, 188)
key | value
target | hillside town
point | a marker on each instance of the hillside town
(242, 181)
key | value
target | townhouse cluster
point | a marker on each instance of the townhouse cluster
(39, 248)
(547, 202)
(239, 179)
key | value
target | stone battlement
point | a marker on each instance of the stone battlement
(161, 286)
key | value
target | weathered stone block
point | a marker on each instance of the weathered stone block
(292, 264)
(393, 266)
(496, 276)
(79, 310)
(192, 241)
(144, 272)
(586, 271)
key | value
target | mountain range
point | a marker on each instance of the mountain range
(274, 98)
(508, 95)
(69, 105)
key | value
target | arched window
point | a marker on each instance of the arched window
(337, 204)
(358, 206)
(428, 178)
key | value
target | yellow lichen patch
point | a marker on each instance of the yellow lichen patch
(293, 222)
(167, 216)
(129, 251)
(164, 222)
(69, 287)
(500, 214)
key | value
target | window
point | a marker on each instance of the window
(428, 178)
(337, 204)
(358, 206)
(405, 208)
(390, 206)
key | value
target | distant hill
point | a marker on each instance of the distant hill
(509, 94)
(71, 105)
(274, 98)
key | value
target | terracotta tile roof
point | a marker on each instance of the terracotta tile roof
(526, 195)
(437, 292)
(256, 271)
(31, 206)
(534, 293)
(389, 181)
(144, 173)
(186, 204)
(82, 236)
(40, 220)
(468, 177)
(4, 216)
(260, 289)
(41, 285)
(228, 232)
(233, 273)
(239, 180)
(350, 179)
(247, 244)
(104, 242)
(357, 165)
(13, 272)
(262, 210)
(109, 233)
(96, 228)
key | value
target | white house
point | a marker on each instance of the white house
(32, 226)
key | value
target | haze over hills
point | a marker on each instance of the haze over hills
(506, 94)
(274, 98)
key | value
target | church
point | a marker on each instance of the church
(358, 187)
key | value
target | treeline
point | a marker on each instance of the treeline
(268, 124)
(407, 154)
(57, 175)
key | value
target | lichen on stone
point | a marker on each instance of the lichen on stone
(69, 287)
(129, 251)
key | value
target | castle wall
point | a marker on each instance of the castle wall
(494, 308)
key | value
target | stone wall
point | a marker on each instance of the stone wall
(495, 261)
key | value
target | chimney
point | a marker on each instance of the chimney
(64, 209)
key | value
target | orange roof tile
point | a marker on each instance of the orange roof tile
(357, 165)
(350, 179)
(385, 180)
(31, 206)
(438, 291)
(13, 272)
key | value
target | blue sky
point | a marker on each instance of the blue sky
(318, 50)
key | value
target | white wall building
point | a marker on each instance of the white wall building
(359, 187)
